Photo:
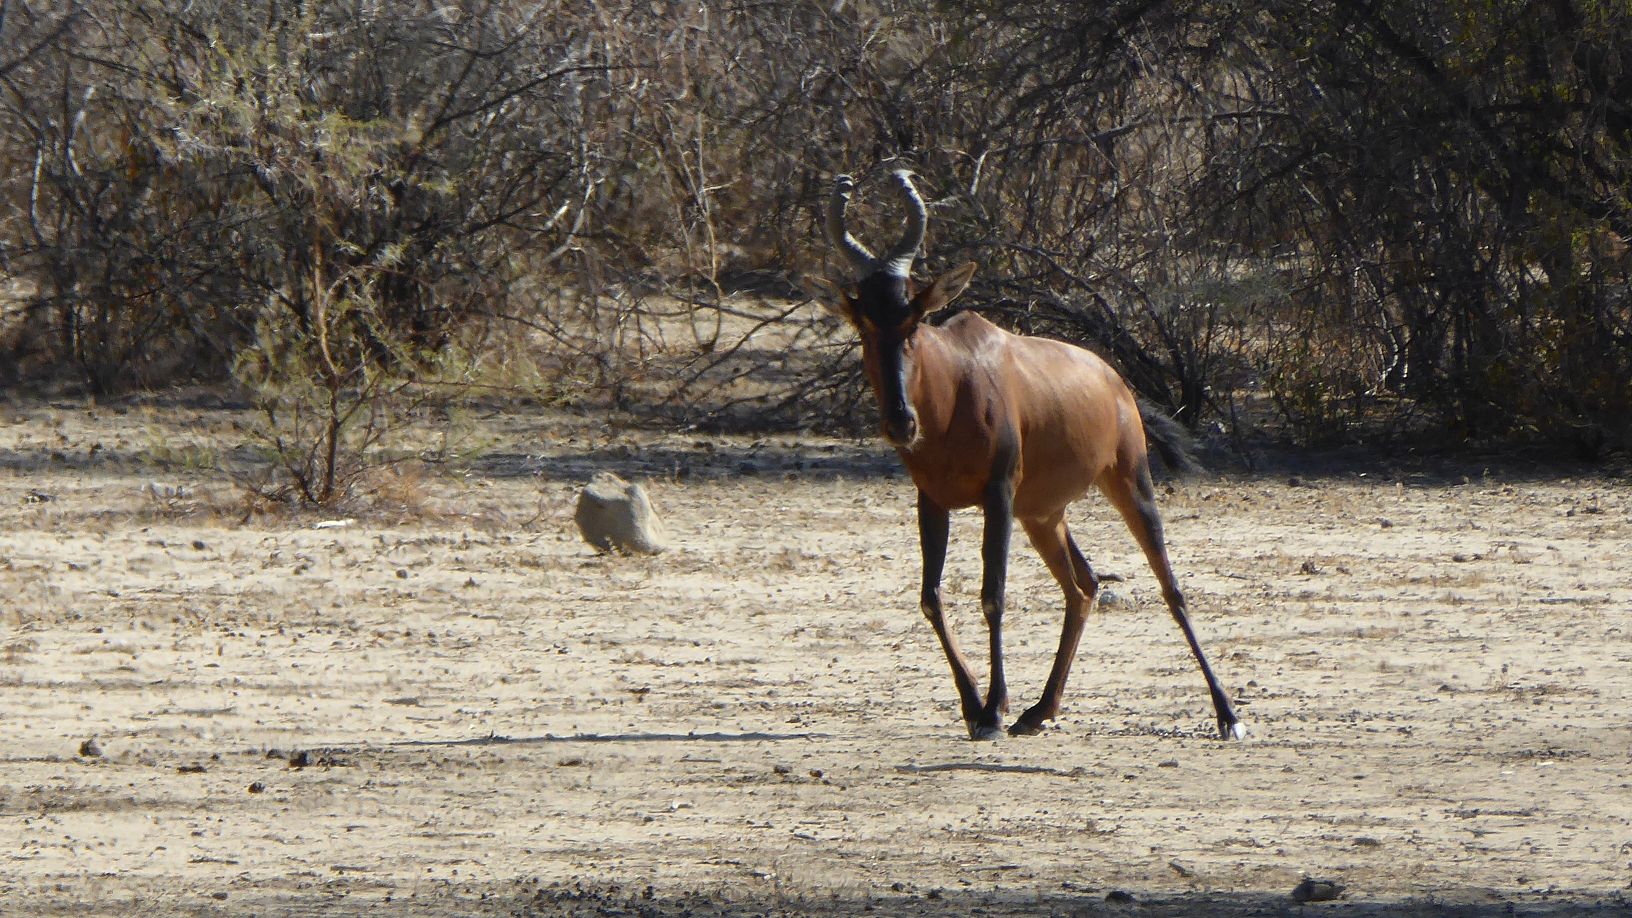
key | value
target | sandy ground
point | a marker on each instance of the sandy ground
(459, 708)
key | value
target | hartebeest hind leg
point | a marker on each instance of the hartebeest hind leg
(1053, 542)
(1131, 491)
(934, 523)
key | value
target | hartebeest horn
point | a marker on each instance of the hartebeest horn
(898, 260)
(862, 259)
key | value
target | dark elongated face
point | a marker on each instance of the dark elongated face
(886, 320)
(887, 313)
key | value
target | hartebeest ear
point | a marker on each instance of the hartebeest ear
(944, 290)
(831, 294)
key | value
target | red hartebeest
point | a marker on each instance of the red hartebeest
(1015, 425)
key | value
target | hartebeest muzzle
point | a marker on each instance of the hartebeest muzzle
(901, 425)
(899, 420)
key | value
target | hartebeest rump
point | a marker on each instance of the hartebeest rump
(1015, 425)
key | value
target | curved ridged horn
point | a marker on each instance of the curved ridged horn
(898, 260)
(863, 260)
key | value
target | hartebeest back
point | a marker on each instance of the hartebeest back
(1015, 425)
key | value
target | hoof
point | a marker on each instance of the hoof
(985, 732)
(1235, 731)
(1023, 727)
(1031, 722)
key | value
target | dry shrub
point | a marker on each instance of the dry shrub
(1436, 191)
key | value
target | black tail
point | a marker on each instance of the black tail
(1175, 444)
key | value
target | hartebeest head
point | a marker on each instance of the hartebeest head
(886, 307)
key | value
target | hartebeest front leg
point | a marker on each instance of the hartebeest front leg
(994, 557)
(934, 524)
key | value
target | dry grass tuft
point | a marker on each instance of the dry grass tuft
(401, 487)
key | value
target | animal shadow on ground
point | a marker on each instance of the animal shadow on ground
(526, 898)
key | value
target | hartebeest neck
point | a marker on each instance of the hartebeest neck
(933, 377)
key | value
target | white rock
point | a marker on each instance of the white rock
(614, 514)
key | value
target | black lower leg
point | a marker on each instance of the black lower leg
(1229, 726)
(1154, 543)
(933, 526)
(994, 553)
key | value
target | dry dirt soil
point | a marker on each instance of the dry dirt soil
(448, 704)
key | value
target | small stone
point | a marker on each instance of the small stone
(1114, 599)
(257, 788)
(1119, 897)
(90, 749)
(1312, 890)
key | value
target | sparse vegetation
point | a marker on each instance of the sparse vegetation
(1338, 218)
